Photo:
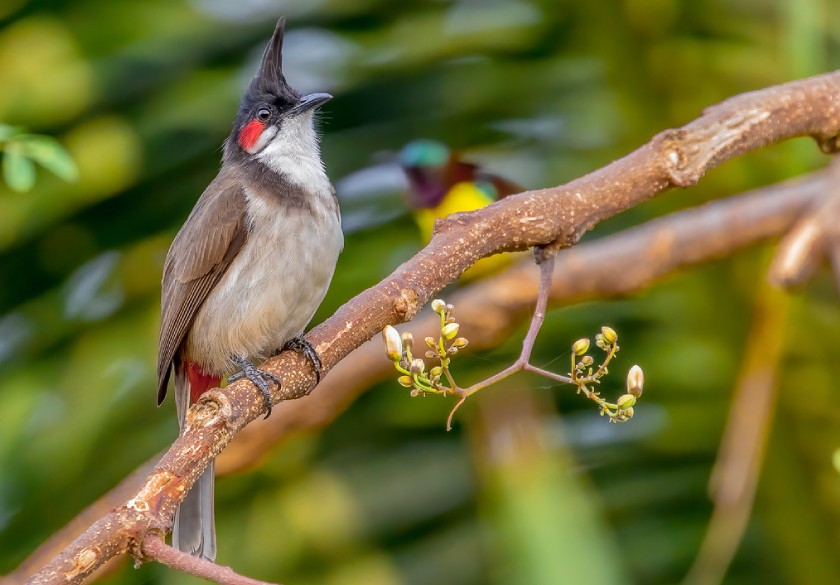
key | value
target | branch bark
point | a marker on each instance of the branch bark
(561, 214)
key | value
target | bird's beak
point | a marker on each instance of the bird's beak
(309, 102)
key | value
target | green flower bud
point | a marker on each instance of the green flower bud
(581, 346)
(610, 336)
(626, 401)
(587, 361)
(430, 341)
(436, 372)
(460, 343)
(393, 343)
(438, 306)
(450, 331)
(407, 338)
(405, 381)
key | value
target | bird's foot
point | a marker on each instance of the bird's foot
(300, 345)
(260, 378)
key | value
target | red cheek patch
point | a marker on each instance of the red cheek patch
(250, 133)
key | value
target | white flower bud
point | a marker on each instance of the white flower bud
(635, 381)
(418, 366)
(393, 343)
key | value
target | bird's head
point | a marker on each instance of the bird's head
(426, 164)
(272, 113)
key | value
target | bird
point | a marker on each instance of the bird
(251, 264)
(441, 183)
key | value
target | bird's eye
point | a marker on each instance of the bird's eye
(263, 114)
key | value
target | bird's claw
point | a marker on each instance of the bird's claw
(300, 345)
(260, 378)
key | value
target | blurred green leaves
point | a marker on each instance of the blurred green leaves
(20, 153)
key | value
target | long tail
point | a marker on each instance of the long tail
(194, 530)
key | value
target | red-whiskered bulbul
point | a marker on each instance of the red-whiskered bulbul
(250, 266)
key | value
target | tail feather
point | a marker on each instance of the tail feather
(194, 528)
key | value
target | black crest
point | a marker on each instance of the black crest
(269, 79)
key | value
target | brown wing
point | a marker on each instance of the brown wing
(198, 258)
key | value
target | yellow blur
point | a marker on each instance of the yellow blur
(464, 196)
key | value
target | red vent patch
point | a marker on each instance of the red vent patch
(199, 381)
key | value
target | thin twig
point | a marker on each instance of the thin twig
(155, 549)
(736, 472)
(545, 258)
(814, 237)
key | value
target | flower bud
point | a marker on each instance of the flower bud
(626, 401)
(581, 346)
(436, 372)
(635, 381)
(430, 342)
(418, 366)
(405, 381)
(438, 306)
(610, 336)
(629, 412)
(587, 361)
(450, 331)
(407, 338)
(460, 343)
(393, 343)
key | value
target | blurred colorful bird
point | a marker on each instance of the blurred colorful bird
(440, 183)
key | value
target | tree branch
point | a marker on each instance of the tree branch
(155, 549)
(561, 214)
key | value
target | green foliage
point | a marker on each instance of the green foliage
(20, 153)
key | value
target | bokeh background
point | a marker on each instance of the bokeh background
(142, 94)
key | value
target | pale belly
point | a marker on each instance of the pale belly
(270, 292)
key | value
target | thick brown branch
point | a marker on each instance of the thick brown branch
(562, 214)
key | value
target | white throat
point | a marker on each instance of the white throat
(293, 152)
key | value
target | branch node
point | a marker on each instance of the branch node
(676, 159)
(828, 144)
(84, 561)
(406, 304)
(211, 406)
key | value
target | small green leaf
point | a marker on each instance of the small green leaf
(18, 171)
(47, 152)
(7, 132)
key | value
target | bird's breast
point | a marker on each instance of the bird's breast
(273, 287)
